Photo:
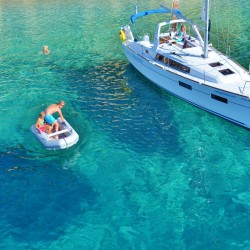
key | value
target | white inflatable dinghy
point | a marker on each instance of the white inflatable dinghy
(67, 136)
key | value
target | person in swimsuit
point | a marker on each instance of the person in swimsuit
(41, 126)
(50, 110)
(46, 50)
(181, 34)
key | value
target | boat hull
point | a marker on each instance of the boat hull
(230, 106)
(65, 140)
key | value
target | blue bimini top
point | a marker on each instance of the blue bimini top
(150, 12)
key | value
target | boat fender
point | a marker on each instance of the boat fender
(146, 38)
(122, 35)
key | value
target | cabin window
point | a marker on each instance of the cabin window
(226, 72)
(219, 98)
(215, 64)
(172, 63)
(185, 85)
(160, 58)
(179, 66)
(185, 68)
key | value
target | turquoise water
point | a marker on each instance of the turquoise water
(149, 172)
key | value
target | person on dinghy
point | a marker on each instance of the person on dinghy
(41, 126)
(50, 110)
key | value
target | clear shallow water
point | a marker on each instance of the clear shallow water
(149, 171)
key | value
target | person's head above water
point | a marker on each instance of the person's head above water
(46, 49)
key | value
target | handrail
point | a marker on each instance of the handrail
(245, 86)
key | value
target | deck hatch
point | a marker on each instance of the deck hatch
(185, 85)
(226, 72)
(215, 64)
(219, 98)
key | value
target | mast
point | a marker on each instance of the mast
(206, 28)
(175, 6)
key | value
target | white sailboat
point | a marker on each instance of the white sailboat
(190, 68)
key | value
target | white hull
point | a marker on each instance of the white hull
(236, 108)
(215, 84)
(67, 137)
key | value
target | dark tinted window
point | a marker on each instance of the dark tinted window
(219, 98)
(178, 66)
(185, 85)
(160, 57)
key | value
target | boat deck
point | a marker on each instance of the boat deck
(228, 77)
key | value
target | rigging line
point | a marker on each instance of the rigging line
(227, 18)
(227, 37)
(136, 10)
(218, 30)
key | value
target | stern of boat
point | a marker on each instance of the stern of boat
(126, 33)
